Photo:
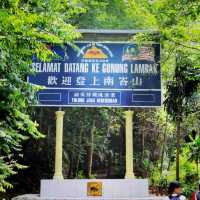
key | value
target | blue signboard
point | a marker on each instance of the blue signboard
(99, 74)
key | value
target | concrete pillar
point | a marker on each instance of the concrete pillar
(129, 144)
(59, 145)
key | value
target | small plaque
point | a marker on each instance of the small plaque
(94, 188)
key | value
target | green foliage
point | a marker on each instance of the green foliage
(105, 124)
(184, 85)
(25, 27)
(115, 14)
(189, 177)
(194, 152)
(177, 23)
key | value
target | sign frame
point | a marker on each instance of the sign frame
(125, 106)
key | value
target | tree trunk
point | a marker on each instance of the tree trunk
(143, 132)
(69, 175)
(90, 150)
(79, 152)
(198, 166)
(163, 147)
(178, 134)
(169, 163)
(72, 153)
(109, 165)
(162, 155)
(109, 155)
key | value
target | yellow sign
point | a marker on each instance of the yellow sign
(94, 188)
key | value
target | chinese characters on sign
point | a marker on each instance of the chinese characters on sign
(100, 74)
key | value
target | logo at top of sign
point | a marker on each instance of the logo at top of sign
(95, 51)
(136, 53)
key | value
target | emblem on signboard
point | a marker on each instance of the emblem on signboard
(94, 188)
(95, 51)
(134, 53)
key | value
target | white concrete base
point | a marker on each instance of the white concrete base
(37, 197)
(111, 189)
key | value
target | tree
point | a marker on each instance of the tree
(178, 92)
(25, 28)
(114, 14)
(176, 21)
